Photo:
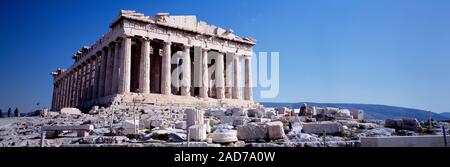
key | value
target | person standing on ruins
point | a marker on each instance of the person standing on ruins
(16, 112)
(9, 112)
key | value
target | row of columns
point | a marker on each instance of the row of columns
(109, 72)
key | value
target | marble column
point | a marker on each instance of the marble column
(60, 92)
(248, 90)
(85, 83)
(125, 66)
(144, 83)
(204, 78)
(166, 78)
(186, 70)
(220, 91)
(82, 83)
(53, 97)
(115, 68)
(102, 73)
(58, 88)
(228, 76)
(70, 94)
(237, 92)
(63, 100)
(75, 87)
(89, 84)
(109, 58)
(64, 92)
(96, 76)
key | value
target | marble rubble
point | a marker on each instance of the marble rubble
(166, 126)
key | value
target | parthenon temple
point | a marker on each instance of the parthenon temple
(143, 57)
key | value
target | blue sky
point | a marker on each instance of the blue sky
(394, 52)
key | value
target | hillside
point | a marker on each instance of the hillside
(371, 111)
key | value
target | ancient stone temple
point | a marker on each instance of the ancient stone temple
(158, 60)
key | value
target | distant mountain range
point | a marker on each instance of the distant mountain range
(445, 114)
(372, 111)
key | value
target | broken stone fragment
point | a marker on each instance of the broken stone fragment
(283, 111)
(275, 130)
(180, 125)
(270, 114)
(251, 132)
(322, 127)
(130, 127)
(70, 111)
(94, 110)
(343, 113)
(194, 117)
(403, 124)
(358, 114)
(224, 136)
(234, 120)
(154, 123)
(207, 125)
(170, 135)
(235, 112)
(215, 112)
(262, 120)
(255, 113)
(197, 132)
(377, 132)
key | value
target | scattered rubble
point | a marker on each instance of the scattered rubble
(156, 126)
(403, 124)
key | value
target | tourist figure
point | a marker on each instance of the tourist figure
(9, 112)
(16, 112)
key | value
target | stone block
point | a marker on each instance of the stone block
(207, 125)
(129, 126)
(194, 117)
(235, 112)
(70, 111)
(255, 113)
(358, 114)
(234, 120)
(180, 125)
(322, 127)
(403, 124)
(224, 136)
(94, 110)
(251, 132)
(262, 120)
(275, 130)
(197, 132)
(283, 111)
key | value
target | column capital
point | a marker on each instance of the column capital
(204, 49)
(126, 36)
(146, 39)
(112, 43)
(167, 42)
(187, 45)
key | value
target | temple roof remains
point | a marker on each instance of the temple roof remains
(185, 22)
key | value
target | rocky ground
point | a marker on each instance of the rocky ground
(153, 126)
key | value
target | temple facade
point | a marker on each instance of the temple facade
(158, 60)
